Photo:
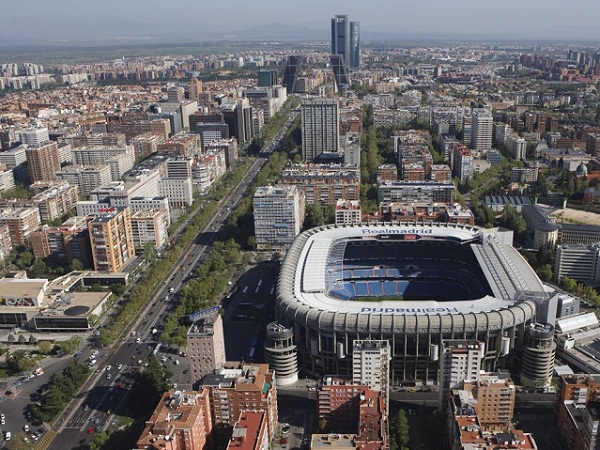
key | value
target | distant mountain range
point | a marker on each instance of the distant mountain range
(99, 32)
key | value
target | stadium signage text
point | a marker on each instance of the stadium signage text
(397, 231)
(409, 310)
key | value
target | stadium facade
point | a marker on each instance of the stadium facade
(414, 285)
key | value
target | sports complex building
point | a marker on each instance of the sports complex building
(411, 284)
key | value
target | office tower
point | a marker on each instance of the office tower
(370, 365)
(43, 162)
(579, 262)
(278, 216)
(539, 350)
(267, 78)
(460, 361)
(111, 239)
(482, 126)
(340, 73)
(354, 45)
(340, 38)
(238, 117)
(293, 68)
(320, 127)
(280, 353)
(205, 343)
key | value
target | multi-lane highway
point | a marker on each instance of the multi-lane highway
(103, 399)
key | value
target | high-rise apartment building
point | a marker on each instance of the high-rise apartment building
(370, 365)
(320, 127)
(111, 239)
(482, 126)
(460, 361)
(205, 343)
(43, 162)
(278, 216)
(462, 163)
(516, 146)
(150, 227)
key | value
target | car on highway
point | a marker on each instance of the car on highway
(108, 368)
(120, 366)
(91, 430)
(7, 435)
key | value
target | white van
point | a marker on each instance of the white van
(7, 435)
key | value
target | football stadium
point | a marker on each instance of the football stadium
(411, 284)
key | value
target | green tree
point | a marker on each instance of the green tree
(38, 268)
(22, 339)
(45, 347)
(76, 265)
(21, 361)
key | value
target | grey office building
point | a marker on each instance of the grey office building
(320, 127)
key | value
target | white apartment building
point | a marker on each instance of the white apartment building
(370, 365)
(481, 129)
(179, 192)
(139, 183)
(278, 216)
(120, 164)
(14, 157)
(87, 178)
(460, 361)
(347, 212)
(208, 169)
(150, 226)
(35, 136)
(92, 155)
(7, 180)
(148, 203)
(516, 146)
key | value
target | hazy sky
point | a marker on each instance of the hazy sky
(534, 19)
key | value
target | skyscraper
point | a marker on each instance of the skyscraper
(340, 38)
(293, 69)
(320, 127)
(354, 45)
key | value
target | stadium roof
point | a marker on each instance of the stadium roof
(506, 271)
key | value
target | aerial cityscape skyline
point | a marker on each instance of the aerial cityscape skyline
(113, 22)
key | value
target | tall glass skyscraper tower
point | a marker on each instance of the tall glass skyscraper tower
(354, 45)
(340, 38)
